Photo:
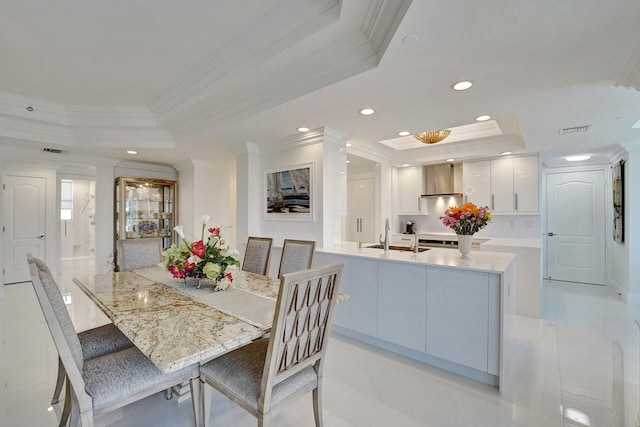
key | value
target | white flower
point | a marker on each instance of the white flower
(205, 219)
(178, 229)
(193, 259)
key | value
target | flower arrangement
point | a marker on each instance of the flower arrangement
(467, 219)
(202, 260)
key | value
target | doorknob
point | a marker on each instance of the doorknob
(550, 234)
(41, 237)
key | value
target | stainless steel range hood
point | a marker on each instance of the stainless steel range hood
(443, 180)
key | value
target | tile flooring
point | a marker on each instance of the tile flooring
(580, 360)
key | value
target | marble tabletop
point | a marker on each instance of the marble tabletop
(171, 327)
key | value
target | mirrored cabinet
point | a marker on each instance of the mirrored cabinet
(145, 208)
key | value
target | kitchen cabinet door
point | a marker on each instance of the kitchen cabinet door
(360, 282)
(361, 207)
(458, 316)
(477, 182)
(409, 188)
(402, 304)
(525, 184)
(502, 185)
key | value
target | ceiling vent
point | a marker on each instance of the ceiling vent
(577, 129)
(54, 151)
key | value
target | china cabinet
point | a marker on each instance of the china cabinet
(145, 208)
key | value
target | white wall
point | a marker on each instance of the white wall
(631, 252)
(325, 150)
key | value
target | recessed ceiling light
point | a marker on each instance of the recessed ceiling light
(506, 153)
(303, 129)
(367, 111)
(577, 416)
(578, 158)
(29, 108)
(348, 161)
(410, 39)
(450, 160)
(404, 133)
(483, 118)
(462, 85)
(348, 144)
(132, 152)
(406, 165)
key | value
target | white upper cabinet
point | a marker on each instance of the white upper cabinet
(477, 182)
(502, 197)
(409, 188)
(525, 184)
(507, 185)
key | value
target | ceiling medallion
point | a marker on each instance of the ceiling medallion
(432, 137)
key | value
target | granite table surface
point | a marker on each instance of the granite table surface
(176, 325)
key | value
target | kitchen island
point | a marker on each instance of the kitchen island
(431, 306)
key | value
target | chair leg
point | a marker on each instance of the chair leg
(205, 402)
(263, 420)
(66, 410)
(168, 393)
(317, 404)
(75, 412)
(59, 382)
(195, 401)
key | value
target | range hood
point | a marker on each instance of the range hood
(442, 180)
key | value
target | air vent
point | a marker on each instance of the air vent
(577, 129)
(54, 151)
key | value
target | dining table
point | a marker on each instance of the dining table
(174, 322)
(178, 323)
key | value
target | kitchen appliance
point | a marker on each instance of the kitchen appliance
(410, 228)
(441, 181)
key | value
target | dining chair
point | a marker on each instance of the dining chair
(105, 383)
(267, 374)
(139, 253)
(256, 255)
(96, 342)
(296, 255)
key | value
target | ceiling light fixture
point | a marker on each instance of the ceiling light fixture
(432, 137)
(577, 158)
(404, 133)
(577, 416)
(367, 111)
(303, 129)
(451, 160)
(462, 85)
(348, 144)
(505, 153)
(132, 152)
(483, 118)
(405, 165)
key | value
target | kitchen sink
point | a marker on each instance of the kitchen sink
(398, 248)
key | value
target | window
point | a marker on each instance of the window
(66, 200)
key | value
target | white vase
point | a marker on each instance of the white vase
(464, 244)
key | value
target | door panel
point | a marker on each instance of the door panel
(24, 223)
(575, 227)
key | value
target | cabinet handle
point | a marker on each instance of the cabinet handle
(360, 221)
(515, 201)
(493, 197)
(419, 210)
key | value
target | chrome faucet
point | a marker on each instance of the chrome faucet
(415, 243)
(386, 236)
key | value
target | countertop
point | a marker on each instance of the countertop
(484, 241)
(495, 262)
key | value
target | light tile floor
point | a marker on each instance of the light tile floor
(582, 357)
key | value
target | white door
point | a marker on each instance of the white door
(361, 208)
(24, 224)
(576, 227)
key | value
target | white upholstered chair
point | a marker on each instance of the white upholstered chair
(139, 253)
(96, 342)
(105, 383)
(256, 255)
(296, 255)
(264, 376)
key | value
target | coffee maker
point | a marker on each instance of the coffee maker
(410, 228)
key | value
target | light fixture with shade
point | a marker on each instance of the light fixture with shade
(432, 137)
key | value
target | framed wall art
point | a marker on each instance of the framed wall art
(617, 180)
(288, 193)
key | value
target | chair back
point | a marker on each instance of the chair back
(296, 255)
(139, 253)
(59, 322)
(301, 325)
(256, 255)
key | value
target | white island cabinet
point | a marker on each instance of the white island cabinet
(432, 306)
